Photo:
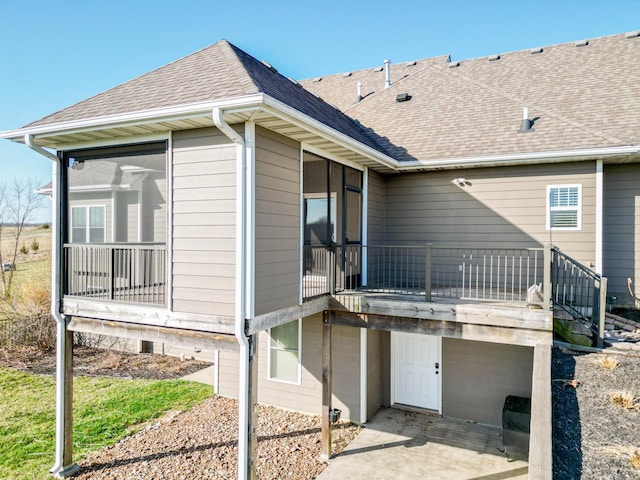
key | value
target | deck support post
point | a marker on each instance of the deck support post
(252, 414)
(64, 466)
(546, 286)
(325, 448)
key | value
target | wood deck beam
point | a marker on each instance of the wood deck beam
(173, 336)
(443, 328)
(147, 315)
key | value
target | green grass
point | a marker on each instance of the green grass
(105, 410)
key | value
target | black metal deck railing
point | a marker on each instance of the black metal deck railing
(479, 274)
(121, 272)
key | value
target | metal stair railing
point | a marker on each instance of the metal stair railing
(579, 291)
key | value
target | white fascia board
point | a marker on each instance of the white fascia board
(180, 112)
(520, 158)
(285, 112)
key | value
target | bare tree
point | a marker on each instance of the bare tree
(18, 202)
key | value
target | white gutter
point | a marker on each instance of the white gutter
(587, 153)
(240, 297)
(165, 114)
(59, 468)
(283, 111)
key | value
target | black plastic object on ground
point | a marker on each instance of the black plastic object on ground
(516, 421)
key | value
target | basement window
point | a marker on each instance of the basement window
(564, 207)
(284, 352)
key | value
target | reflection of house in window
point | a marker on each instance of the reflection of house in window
(316, 229)
(88, 224)
(119, 192)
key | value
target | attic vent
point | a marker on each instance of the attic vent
(454, 64)
(269, 66)
(346, 74)
(403, 97)
(581, 43)
(378, 69)
(536, 50)
(317, 79)
(410, 64)
(493, 58)
(634, 34)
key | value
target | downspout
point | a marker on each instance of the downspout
(243, 387)
(59, 468)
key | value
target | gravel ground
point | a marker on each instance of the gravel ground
(592, 437)
(202, 444)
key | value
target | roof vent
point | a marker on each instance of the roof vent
(403, 97)
(358, 91)
(634, 34)
(378, 69)
(536, 50)
(295, 82)
(269, 66)
(317, 79)
(526, 124)
(454, 64)
(493, 58)
(410, 64)
(346, 74)
(581, 43)
(387, 71)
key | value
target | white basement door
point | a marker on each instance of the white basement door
(417, 369)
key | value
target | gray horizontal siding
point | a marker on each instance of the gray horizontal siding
(621, 242)
(204, 222)
(502, 206)
(307, 396)
(277, 230)
(478, 376)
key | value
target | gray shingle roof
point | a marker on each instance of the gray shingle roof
(216, 72)
(583, 97)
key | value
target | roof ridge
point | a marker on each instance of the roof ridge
(562, 118)
(232, 52)
(340, 74)
(406, 77)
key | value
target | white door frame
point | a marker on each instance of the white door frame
(393, 354)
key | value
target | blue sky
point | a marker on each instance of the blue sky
(56, 53)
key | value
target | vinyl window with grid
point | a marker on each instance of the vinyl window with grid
(564, 207)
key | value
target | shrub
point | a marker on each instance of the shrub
(624, 400)
(35, 245)
(24, 250)
(45, 226)
(608, 363)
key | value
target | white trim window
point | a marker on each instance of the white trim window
(564, 207)
(284, 352)
(88, 224)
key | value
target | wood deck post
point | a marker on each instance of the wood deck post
(253, 406)
(325, 448)
(602, 304)
(546, 287)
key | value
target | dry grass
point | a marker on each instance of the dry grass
(608, 363)
(624, 399)
(625, 452)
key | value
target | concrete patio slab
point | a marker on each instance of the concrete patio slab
(399, 444)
